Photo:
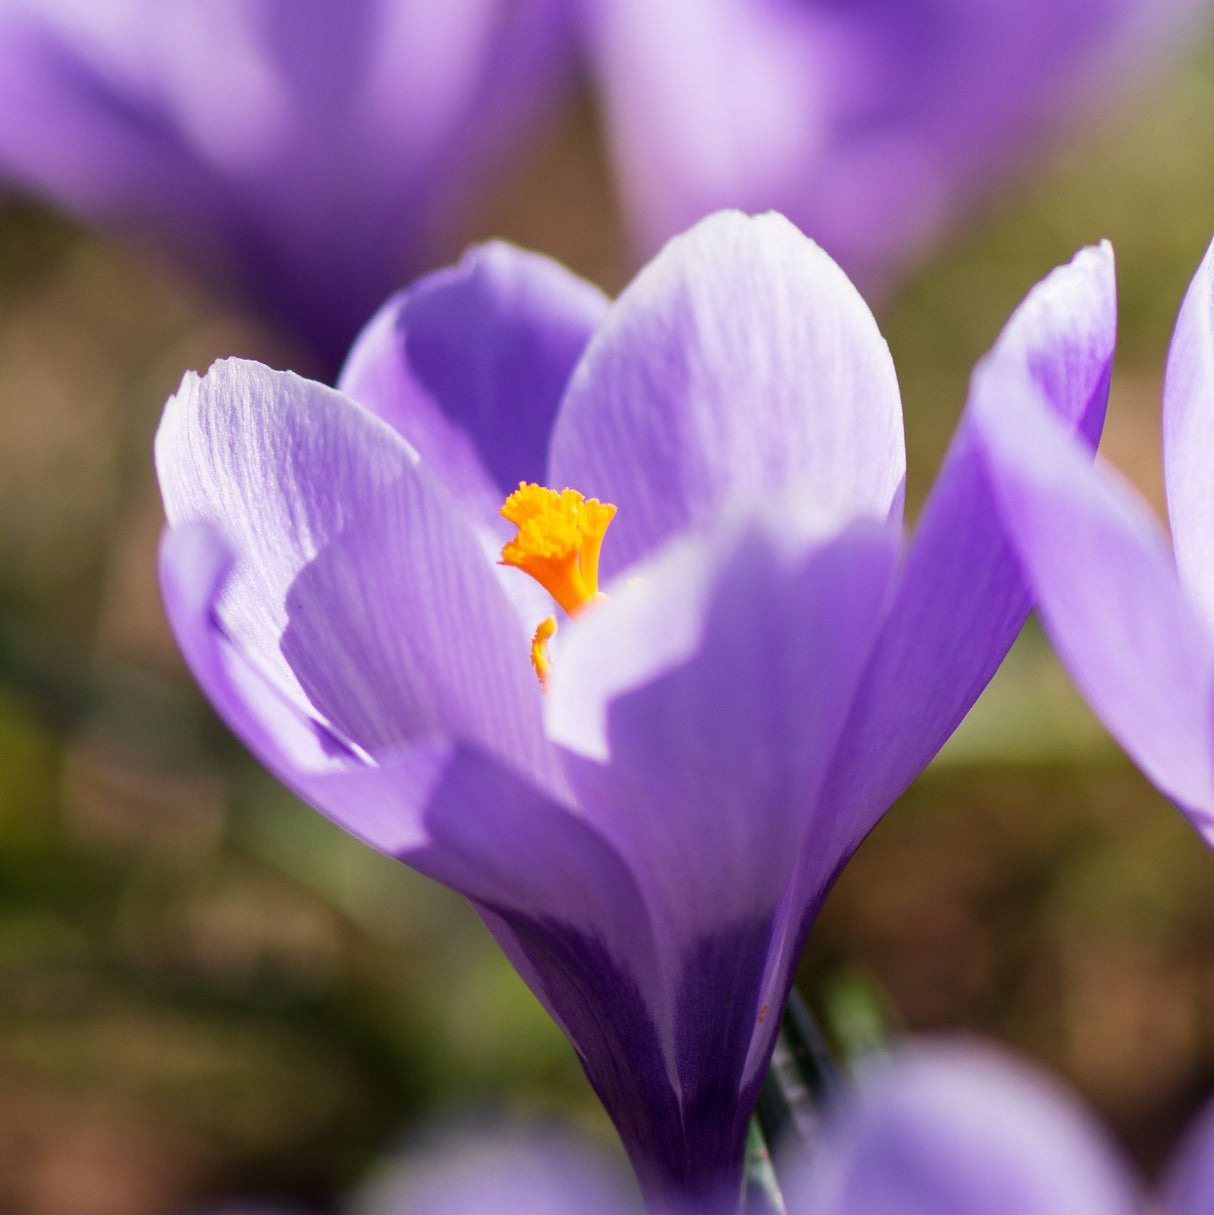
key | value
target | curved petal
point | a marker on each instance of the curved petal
(960, 598)
(1190, 1181)
(738, 363)
(469, 365)
(717, 688)
(1188, 437)
(358, 589)
(960, 1130)
(383, 809)
(1108, 593)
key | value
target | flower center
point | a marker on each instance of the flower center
(558, 542)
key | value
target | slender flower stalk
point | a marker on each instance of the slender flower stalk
(1131, 617)
(748, 664)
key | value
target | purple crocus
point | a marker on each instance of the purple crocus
(1132, 621)
(311, 152)
(764, 670)
(952, 1129)
(865, 122)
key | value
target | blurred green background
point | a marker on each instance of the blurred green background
(206, 989)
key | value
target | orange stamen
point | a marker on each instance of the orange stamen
(558, 543)
(539, 650)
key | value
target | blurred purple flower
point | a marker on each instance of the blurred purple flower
(316, 153)
(312, 152)
(964, 1130)
(865, 122)
(651, 841)
(1134, 624)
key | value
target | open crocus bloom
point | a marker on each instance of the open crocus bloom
(865, 122)
(1134, 625)
(747, 666)
(310, 152)
(950, 1129)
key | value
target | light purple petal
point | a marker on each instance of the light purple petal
(1188, 437)
(298, 747)
(739, 362)
(358, 589)
(961, 1130)
(1107, 590)
(717, 688)
(1190, 1181)
(469, 365)
(960, 598)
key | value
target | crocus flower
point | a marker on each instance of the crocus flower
(950, 1129)
(311, 152)
(747, 667)
(866, 123)
(1133, 621)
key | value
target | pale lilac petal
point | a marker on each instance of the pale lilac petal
(1107, 590)
(960, 598)
(469, 365)
(739, 362)
(297, 746)
(359, 590)
(961, 1130)
(1188, 437)
(1190, 1181)
(717, 687)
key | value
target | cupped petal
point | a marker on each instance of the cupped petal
(961, 1130)
(1189, 1187)
(469, 365)
(738, 363)
(1188, 437)
(960, 599)
(698, 710)
(1107, 590)
(554, 893)
(358, 588)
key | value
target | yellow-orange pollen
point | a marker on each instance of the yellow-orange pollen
(558, 542)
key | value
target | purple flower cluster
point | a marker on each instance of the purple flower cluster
(766, 666)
